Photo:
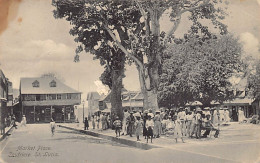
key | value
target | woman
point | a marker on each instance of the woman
(241, 115)
(138, 128)
(178, 130)
(149, 127)
(86, 125)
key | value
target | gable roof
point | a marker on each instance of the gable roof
(44, 86)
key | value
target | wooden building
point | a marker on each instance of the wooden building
(46, 97)
(3, 99)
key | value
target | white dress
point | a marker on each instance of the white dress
(241, 115)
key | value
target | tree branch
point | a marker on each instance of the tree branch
(177, 22)
(122, 47)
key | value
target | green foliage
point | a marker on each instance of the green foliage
(199, 70)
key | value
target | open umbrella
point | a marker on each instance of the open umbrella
(196, 103)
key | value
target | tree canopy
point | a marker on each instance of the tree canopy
(199, 70)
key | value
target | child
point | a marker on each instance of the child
(138, 127)
(117, 124)
(53, 126)
(86, 125)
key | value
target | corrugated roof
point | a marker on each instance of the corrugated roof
(44, 86)
(139, 96)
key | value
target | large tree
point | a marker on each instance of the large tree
(134, 28)
(93, 22)
(198, 69)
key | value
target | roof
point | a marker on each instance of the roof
(139, 96)
(44, 86)
(93, 96)
(105, 97)
(240, 101)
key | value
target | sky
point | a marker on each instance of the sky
(33, 42)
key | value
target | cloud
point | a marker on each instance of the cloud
(250, 44)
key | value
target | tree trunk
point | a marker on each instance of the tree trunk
(116, 89)
(152, 76)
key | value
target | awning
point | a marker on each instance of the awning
(106, 111)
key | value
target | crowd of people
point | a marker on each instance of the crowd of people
(176, 123)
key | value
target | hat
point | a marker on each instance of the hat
(146, 111)
(23, 115)
(198, 109)
(157, 111)
(206, 108)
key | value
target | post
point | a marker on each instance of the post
(83, 112)
(34, 113)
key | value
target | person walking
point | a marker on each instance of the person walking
(23, 122)
(103, 121)
(53, 126)
(117, 124)
(138, 127)
(86, 125)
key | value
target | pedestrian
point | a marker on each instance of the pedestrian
(53, 126)
(138, 127)
(164, 124)
(181, 116)
(118, 124)
(157, 124)
(169, 127)
(103, 121)
(198, 122)
(145, 118)
(178, 130)
(149, 127)
(98, 121)
(86, 125)
(241, 115)
(93, 121)
(226, 115)
(124, 128)
(221, 115)
(14, 122)
(189, 118)
(215, 117)
(23, 122)
(108, 120)
(130, 123)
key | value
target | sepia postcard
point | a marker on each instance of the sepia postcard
(121, 81)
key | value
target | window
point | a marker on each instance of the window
(53, 83)
(36, 83)
(68, 96)
(42, 97)
(58, 96)
(38, 97)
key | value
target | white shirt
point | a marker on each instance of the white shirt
(149, 123)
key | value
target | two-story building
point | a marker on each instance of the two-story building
(3, 99)
(46, 97)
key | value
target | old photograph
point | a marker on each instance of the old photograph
(122, 81)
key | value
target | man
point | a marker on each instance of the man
(124, 129)
(181, 116)
(189, 118)
(130, 122)
(198, 121)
